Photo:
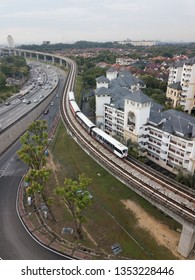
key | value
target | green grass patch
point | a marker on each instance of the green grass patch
(107, 220)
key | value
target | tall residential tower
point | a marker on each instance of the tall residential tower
(10, 41)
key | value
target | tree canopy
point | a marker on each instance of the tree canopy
(34, 142)
(75, 196)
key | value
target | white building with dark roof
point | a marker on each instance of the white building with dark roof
(111, 73)
(182, 73)
(102, 82)
(167, 138)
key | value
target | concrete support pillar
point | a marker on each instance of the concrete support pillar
(45, 58)
(30, 55)
(53, 59)
(37, 56)
(25, 55)
(187, 240)
(60, 62)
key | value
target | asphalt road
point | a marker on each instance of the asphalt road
(15, 241)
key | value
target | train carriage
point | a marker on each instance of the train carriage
(118, 148)
(74, 107)
(71, 95)
(85, 122)
(112, 144)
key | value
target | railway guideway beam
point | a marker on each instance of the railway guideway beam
(187, 240)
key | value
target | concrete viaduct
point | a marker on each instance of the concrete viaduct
(187, 239)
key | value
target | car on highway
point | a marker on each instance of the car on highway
(46, 111)
(28, 102)
(7, 103)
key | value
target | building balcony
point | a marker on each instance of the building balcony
(176, 153)
(154, 142)
(180, 145)
(120, 116)
(155, 134)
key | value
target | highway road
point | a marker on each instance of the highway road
(18, 107)
(15, 241)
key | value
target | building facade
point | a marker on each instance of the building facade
(10, 41)
(181, 85)
(167, 138)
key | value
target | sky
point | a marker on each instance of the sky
(68, 21)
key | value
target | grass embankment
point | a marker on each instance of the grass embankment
(108, 221)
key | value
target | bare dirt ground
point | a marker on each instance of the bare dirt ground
(161, 232)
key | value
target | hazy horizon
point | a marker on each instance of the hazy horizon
(32, 22)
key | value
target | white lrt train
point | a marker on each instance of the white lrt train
(112, 144)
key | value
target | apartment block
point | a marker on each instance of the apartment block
(181, 85)
(165, 137)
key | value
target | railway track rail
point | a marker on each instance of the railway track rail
(153, 185)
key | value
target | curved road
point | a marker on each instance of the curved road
(15, 241)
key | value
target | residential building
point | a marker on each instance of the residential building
(181, 85)
(167, 138)
(113, 84)
(125, 61)
(145, 43)
(10, 41)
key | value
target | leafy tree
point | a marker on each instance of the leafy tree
(186, 179)
(34, 143)
(75, 196)
(36, 180)
(179, 108)
(12, 66)
(2, 81)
